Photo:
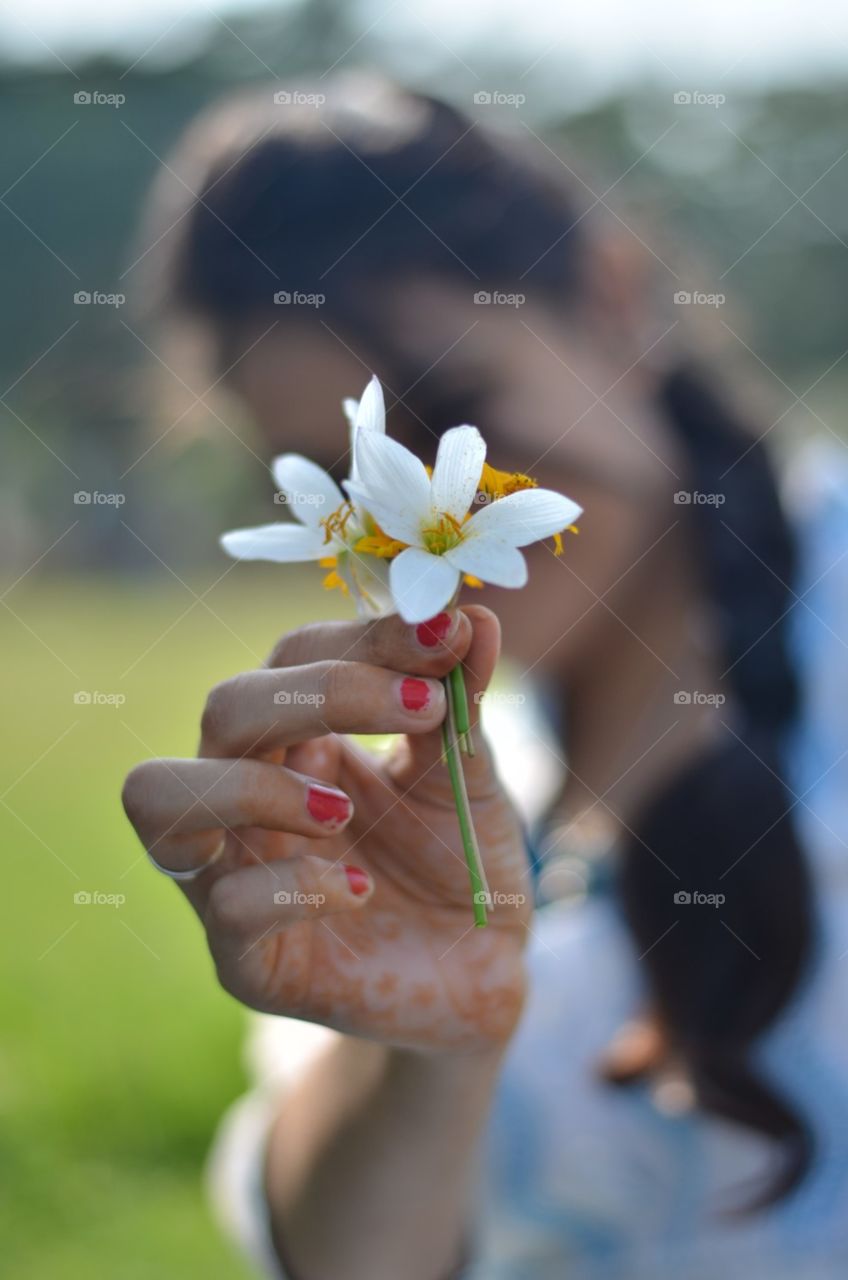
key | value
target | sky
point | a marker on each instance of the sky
(752, 41)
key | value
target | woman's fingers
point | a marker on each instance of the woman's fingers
(261, 710)
(254, 900)
(429, 649)
(247, 906)
(181, 808)
(420, 765)
(344, 677)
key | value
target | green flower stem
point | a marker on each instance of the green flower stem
(450, 728)
(460, 702)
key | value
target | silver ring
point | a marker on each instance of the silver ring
(193, 872)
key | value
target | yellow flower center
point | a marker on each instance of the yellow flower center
(440, 537)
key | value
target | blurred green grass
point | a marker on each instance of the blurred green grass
(119, 1051)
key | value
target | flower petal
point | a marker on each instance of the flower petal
(310, 493)
(371, 411)
(392, 484)
(459, 465)
(286, 543)
(368, 413)
(490, 560)
(525, 517)
(422, 584)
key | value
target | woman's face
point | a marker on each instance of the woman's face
(554, 398)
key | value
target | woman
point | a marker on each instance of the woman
(671, 1100)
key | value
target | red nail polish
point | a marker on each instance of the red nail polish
(433, 632)
(414, 694)
(358, 880)
(332, 808)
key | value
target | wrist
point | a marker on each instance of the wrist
(446, 1070)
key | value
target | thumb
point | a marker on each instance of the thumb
(421, 763)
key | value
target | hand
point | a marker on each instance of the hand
(383, 949)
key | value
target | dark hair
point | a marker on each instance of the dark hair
(381, 184)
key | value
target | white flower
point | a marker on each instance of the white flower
(327, 526)
(431, 517)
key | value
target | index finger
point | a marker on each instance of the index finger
(429, 649)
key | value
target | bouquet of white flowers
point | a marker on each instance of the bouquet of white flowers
(404, 538)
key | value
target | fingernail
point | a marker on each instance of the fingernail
(433, 632)
(358, 880)
(414, 694)
(332, 808)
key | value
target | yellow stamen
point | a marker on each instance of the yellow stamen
(335, 580)
(441, 536)
(337, 521)
(499, 484)
(558, 546)
(471, 581)
(380, 544)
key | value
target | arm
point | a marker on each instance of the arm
(389, 1139)
(371, 1161)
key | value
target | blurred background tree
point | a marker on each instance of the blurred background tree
(754, 185)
